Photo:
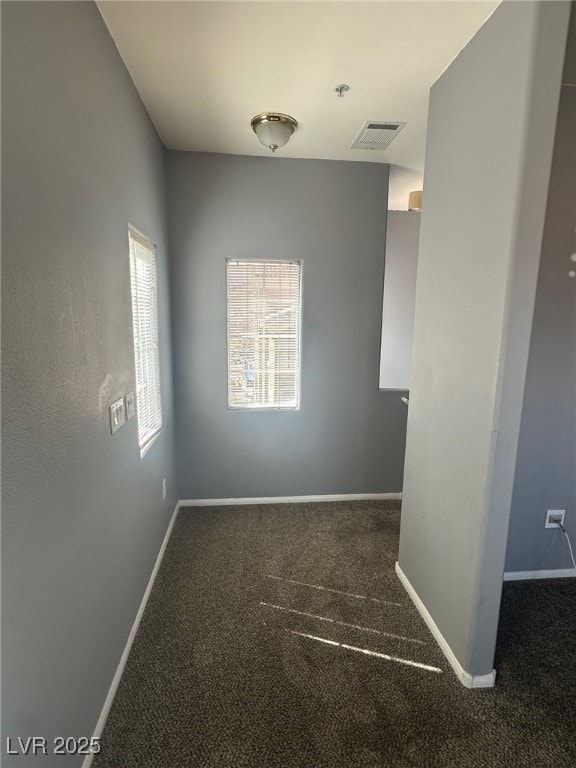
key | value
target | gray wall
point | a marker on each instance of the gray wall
(545, 470)
(477, 272)
(402, 235)
(83, 517)
(347, 437)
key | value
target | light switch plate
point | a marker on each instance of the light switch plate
(117, 415)
(130, 405)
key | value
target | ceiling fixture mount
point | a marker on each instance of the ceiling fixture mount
(273, 129)
(342, 89)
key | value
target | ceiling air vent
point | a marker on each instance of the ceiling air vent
(377, 135)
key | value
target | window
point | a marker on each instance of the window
(145, 324)
(264, 304)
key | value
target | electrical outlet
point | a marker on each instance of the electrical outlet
(553, 517)
(164, 489)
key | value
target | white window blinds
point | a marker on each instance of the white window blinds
(264, 308)
(145, 323)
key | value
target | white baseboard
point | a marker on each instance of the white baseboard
(467, 679)
(124, 658)
(289, 499)
(557, 573)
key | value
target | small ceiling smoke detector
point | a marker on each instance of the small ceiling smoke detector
(377, 135)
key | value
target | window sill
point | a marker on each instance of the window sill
(146, 447)
(262, 409)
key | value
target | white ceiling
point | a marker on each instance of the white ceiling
(204, 69)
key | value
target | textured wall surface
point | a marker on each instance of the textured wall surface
(82, 514)
(347, 436)
(402, 235)
(546, 467)
(477, 273)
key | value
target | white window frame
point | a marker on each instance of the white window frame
(147, 369)
(257, 407)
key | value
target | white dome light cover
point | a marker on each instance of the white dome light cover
(273, 129)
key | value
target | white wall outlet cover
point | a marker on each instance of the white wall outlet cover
(117, 415)
(553, 515)
(130, 405)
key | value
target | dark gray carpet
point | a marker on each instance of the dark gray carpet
(219, 678)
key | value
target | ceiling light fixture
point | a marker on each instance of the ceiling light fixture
(273, 129)
(415, 201)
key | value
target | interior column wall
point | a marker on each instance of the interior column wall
(480, 238)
